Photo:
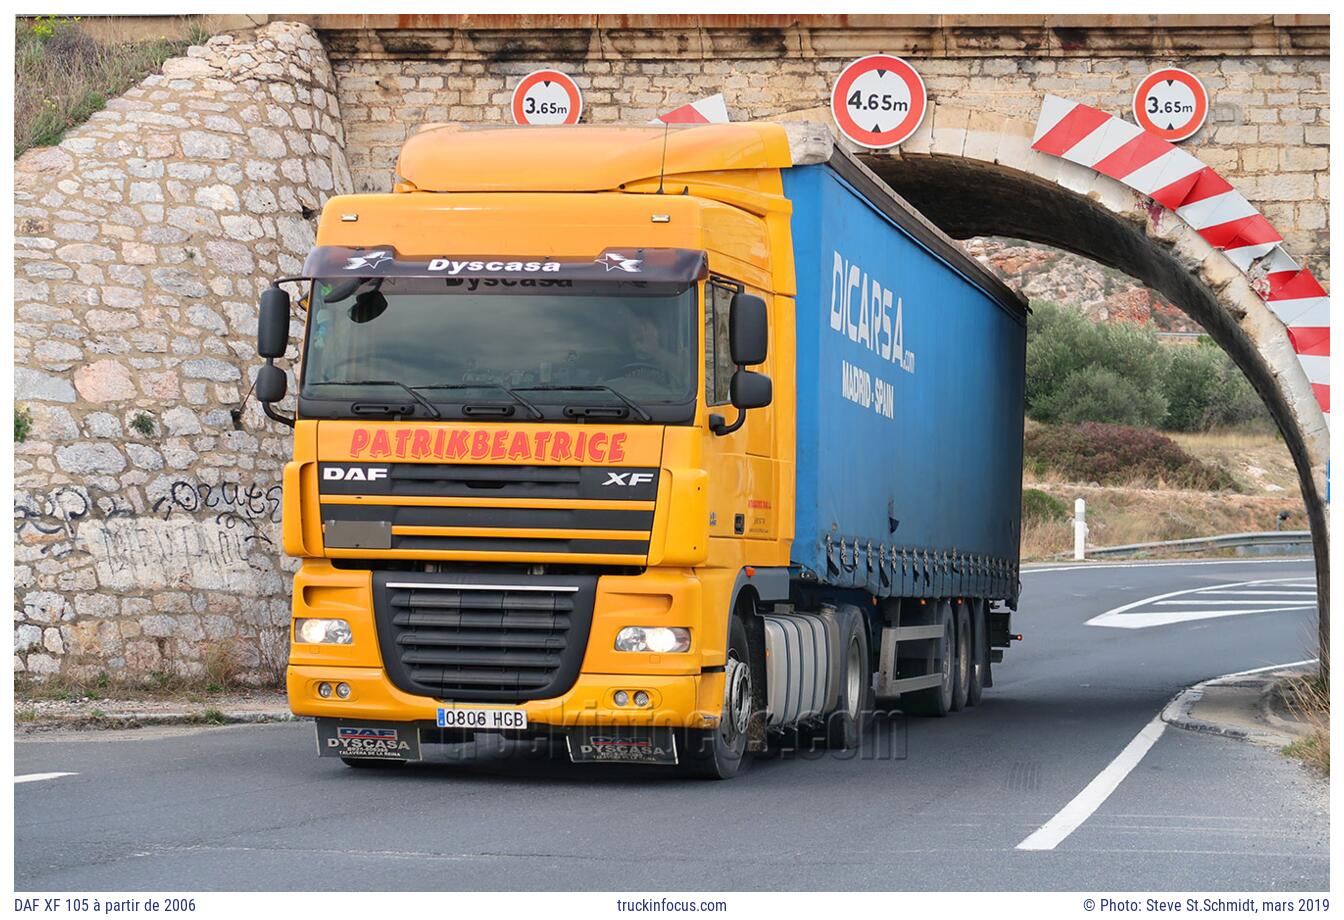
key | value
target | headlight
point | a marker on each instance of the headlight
(331, 632)
(653, 639)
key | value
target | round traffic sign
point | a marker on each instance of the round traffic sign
(878, 101)
(1171, 103)
(547, 97)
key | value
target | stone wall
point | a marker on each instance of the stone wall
(1267, 131)
(146, 517)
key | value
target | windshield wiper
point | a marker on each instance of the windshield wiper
(594, 388)
(536, 413)
(429, 406)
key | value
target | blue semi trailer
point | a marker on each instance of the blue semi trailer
(910, 371)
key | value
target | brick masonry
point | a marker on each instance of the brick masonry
(1267, 131)
(146, 521)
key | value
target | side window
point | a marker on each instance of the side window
(718, 360)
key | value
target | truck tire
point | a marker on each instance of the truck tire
(961, 664)
(844, 726)
(936, 702)
(721, 753)
(979, 653)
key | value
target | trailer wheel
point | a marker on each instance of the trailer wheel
(844, 727)
(979, 654)
(937, 701)
(962, 662)
(721, 753)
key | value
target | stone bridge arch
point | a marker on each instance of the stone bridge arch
(977, 175)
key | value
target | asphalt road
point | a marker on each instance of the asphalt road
(254, 808)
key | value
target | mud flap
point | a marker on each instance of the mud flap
(622, 745)
(368, 740)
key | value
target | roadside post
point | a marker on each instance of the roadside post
(1079, 528)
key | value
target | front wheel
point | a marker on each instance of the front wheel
(721, 753)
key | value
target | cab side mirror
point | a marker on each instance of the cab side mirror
(273, 323)
(748, 329)
(748, 340)
(272, 343)
(750, 390)
(271, 384)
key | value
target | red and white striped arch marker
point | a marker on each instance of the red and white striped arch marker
(1208, 203)
(711, 110)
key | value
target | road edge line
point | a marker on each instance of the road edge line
(1082, 806)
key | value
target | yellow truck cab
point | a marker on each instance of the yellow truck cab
(543, 477)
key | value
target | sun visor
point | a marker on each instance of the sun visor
(654, 266)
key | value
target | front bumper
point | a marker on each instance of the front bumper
(678, 701)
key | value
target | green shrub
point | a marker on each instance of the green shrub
(23, 424)
(1078, 370)
(1042, 507)
(1099, 394)
(1122, 374)
(1205, 390)
(1118, 455)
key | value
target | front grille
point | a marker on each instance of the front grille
(499, 513)
(460, 636)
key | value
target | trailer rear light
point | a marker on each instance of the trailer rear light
(653, 639)
(321, 631)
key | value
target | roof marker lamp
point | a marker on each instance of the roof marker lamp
(658, 639)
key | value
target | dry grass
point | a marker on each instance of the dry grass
(62, 75)
(1137, 512)
(157, 685)
(1308, 699)
(1117, 516)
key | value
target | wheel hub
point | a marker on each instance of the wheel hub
(736, 699)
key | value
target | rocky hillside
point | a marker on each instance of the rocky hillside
(1103, 294)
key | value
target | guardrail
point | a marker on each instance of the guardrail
(1267, 543)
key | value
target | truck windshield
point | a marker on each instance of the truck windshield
(627, 348)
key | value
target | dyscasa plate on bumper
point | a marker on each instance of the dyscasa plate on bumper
(368, 740)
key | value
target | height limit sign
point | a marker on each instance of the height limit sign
(547, 97)
(878, 101)
(1171, 103)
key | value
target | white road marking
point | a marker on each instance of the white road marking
(1050, 834)
(1267, 593)
(1082, 806)
(1242, 601)
(1122, 617)
(1099, 566)
(38, 777)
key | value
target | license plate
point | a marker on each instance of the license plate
(483, 719)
